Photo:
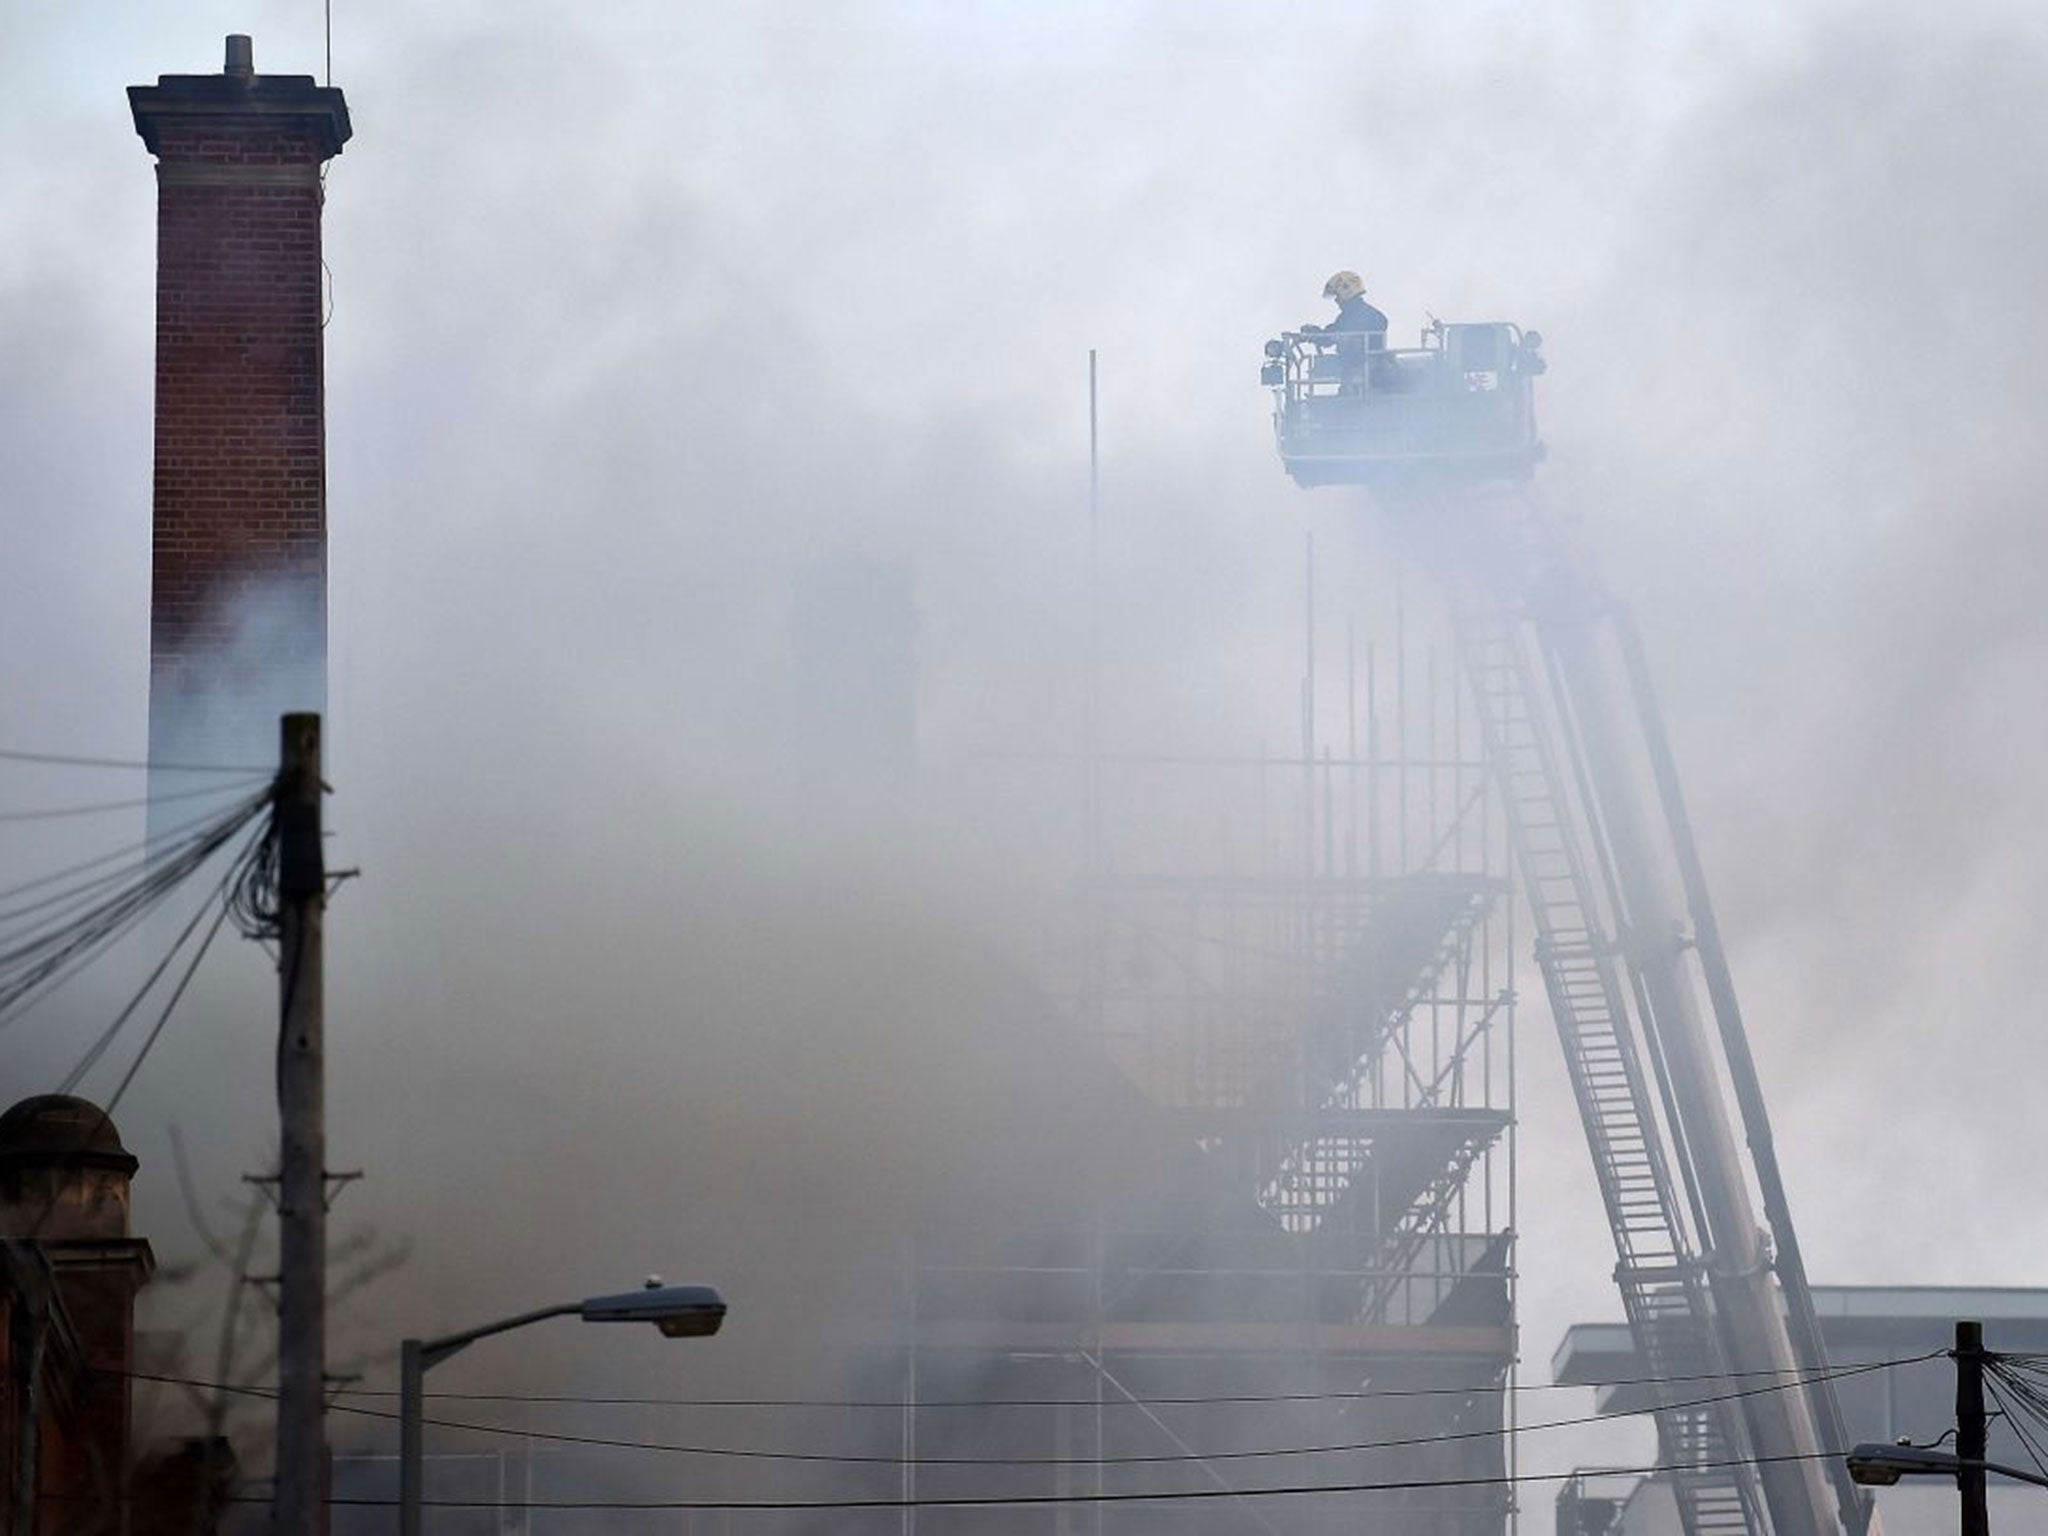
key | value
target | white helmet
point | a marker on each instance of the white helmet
(1344, 285)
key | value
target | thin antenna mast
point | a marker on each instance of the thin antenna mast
(1093, 702)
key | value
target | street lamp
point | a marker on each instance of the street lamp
(1879, 1466)
(679, 1311)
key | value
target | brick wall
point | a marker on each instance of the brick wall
(69, 1272)
(238, 620)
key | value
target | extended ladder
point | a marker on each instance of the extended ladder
(1662, 1288)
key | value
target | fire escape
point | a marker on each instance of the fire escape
(1307, 1242)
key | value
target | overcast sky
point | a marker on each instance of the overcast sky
(634, 307)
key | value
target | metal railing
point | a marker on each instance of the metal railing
(1344, 398)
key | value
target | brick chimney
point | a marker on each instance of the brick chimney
(238, 592)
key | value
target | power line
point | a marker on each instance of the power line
(1161, 1458)
(48, 909)
(987, 1501)
(35, 964)
(99, 807)
(39, 960)
(107, 1036)
(2016, 1422)
(149, 1041)
(57, 909)
(14, 755)
(45, 921)
(896, 1404)
(167, 835)
(2012, 1372)
(1178, 1458)
(219, 900)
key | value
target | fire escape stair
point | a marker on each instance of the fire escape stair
(1297, 1115)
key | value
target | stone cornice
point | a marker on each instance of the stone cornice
(222, 101)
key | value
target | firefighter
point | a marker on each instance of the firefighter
(1353, 313)
(1362, 327)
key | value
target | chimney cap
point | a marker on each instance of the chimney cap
(241, 57)
(234, 102)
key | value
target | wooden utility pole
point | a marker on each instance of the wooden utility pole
(300, 1507)
(1970, 1427)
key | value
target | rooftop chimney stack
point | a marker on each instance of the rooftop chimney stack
(238, 593)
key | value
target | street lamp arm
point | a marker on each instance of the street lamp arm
(679, 1311)
(1882, 1465)
(434, 1351)
(2017, 1474)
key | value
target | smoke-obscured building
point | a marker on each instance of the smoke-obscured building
(1864, 1328)
(1267, 1241)
(852, 705)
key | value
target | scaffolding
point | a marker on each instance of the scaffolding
(1298, 974)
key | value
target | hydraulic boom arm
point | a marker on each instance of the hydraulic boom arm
(1609, 861)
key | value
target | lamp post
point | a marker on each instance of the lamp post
(1876, 1465)
(679, 1311)
(1882, 1465)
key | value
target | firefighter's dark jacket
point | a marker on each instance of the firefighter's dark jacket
(1354, 314)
